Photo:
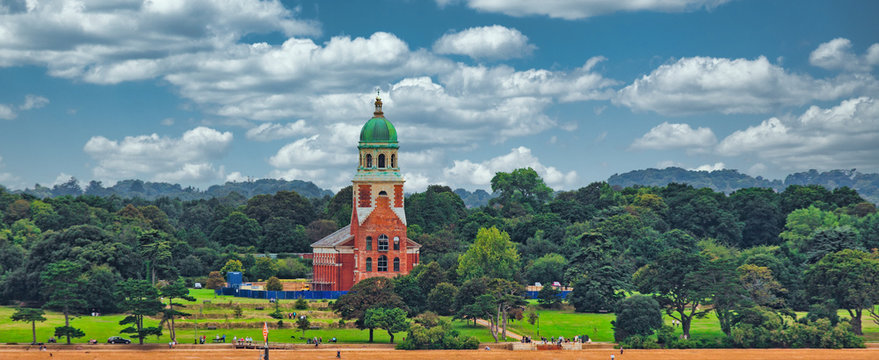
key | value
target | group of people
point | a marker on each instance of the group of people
(240, 341)
(561, 339)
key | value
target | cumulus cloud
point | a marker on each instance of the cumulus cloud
(578, 9)
(187, 158)
(709, 167)
(6, 112)
(480, 174)
(485, 42)
(273, 131)
(670, 136)
(33, 102)
(307, 152)
(731, 86)
(837, 54)
(843, 136)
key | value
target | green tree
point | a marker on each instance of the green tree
(174, 290)
(237, 229)
(156, 250)
(492, 255)
(521, 186)
(264, 268)
(435, 208)
(63, 282)
(215, 280)
(303, 323)
(376, 292)
(760, 212)
(505, 296)
(284, 235)
(274, 284)
(139, 298)
(549, 296)
(850, 278)
(547, 269)
(676, 279)
(637, 315)
(441, 299)
(232, 265)
(30, 315)
(392, 320)
(284, 204)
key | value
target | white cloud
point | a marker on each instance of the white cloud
(33, 102)
(168, 121)
(236, 177)
(709, 167)
(668, 163)
(417, 182)
(730, 86)
(6, 112)
(485, 42)
(61, 178)
(844, 136)
(836, 54)
(187, 158)
(670, 136)
(272, 131)
(480, 174)
(578, 9)
(758, 169)
(307, 152)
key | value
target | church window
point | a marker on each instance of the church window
(393, 161)
(369, 264)
(368, 160)
(382, 193)
(383, 263)
(396, 264)
(382, 242)
(396, 243)
(369, 243)
(381, 161)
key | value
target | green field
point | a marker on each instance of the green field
(217, 311)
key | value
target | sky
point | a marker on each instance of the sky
(206, 91)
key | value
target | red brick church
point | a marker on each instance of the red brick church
(375, 243)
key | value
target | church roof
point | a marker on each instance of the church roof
(339, 237)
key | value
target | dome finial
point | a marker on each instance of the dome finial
(378, 104)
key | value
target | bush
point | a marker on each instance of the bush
(301, 304)
(639, 342)
(274, 284)
(215, 280)
(637, 315)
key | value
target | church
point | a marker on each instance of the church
(375, 243)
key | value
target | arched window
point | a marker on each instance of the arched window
(396, 243)
(381, 161)
(369, 264)
(369, 160)
(397, 264)
(383, 263)
(369, 243)
(382, 193)
(393, 161)
(382, 242)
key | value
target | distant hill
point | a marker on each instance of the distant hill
(476, 198)
(152, 190)
(731, 180)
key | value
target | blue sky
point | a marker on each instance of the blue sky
(202, 92)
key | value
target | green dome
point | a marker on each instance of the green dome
(378, 129)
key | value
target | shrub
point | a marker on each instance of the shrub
(301, 304)
(637, 315)
(215, 280)
(274, 284)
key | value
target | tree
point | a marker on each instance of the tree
(30, 315)
(521, 186)
(547, 269)
(274, 284)
(442, 299)
(237, 229)
(284, 235)
(637, 315)
(232, 265)
(264, 268)
(284, 204)
(505, 295)
(435, 208)
(139, 298)
(174, 290)
(156, 250)
(549, 296)
(392, 320)
(676, 280)
(303, 323)
(850, 278)
(760, 211)
(376, 292)
(492, 255)
(215, 280)
(63, 284)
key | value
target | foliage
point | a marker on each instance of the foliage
(232, 265)
(392, 320)
(636, 315)
(442, 299)
(547, 269)
(138, 299)
(492, 255)
(301, 304)
(676, 279)
(63, 282)
(376, 292)
(303, 323)
(436, 334)
(850, 278)
(30, 315)
(549, 296)
(215, 280)
(274, 284)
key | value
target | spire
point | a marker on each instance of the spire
(378, 105)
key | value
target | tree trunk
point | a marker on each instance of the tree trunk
(504, 333)
(370, 334)
(392, 336)
(685, 326)
(139, 322)
(34, 329)
(67, 324)
(856, 321)
(173, 329)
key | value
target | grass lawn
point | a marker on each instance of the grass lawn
(218, 312)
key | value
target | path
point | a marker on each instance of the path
(509, 333)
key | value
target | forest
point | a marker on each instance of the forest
(752, 258)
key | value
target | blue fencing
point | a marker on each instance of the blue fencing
(533, 294)
(280, 295)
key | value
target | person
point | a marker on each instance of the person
(611, 357)
(224, 338)
(170, 344)
(621, 349)
(338, 354)
(487, 348)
